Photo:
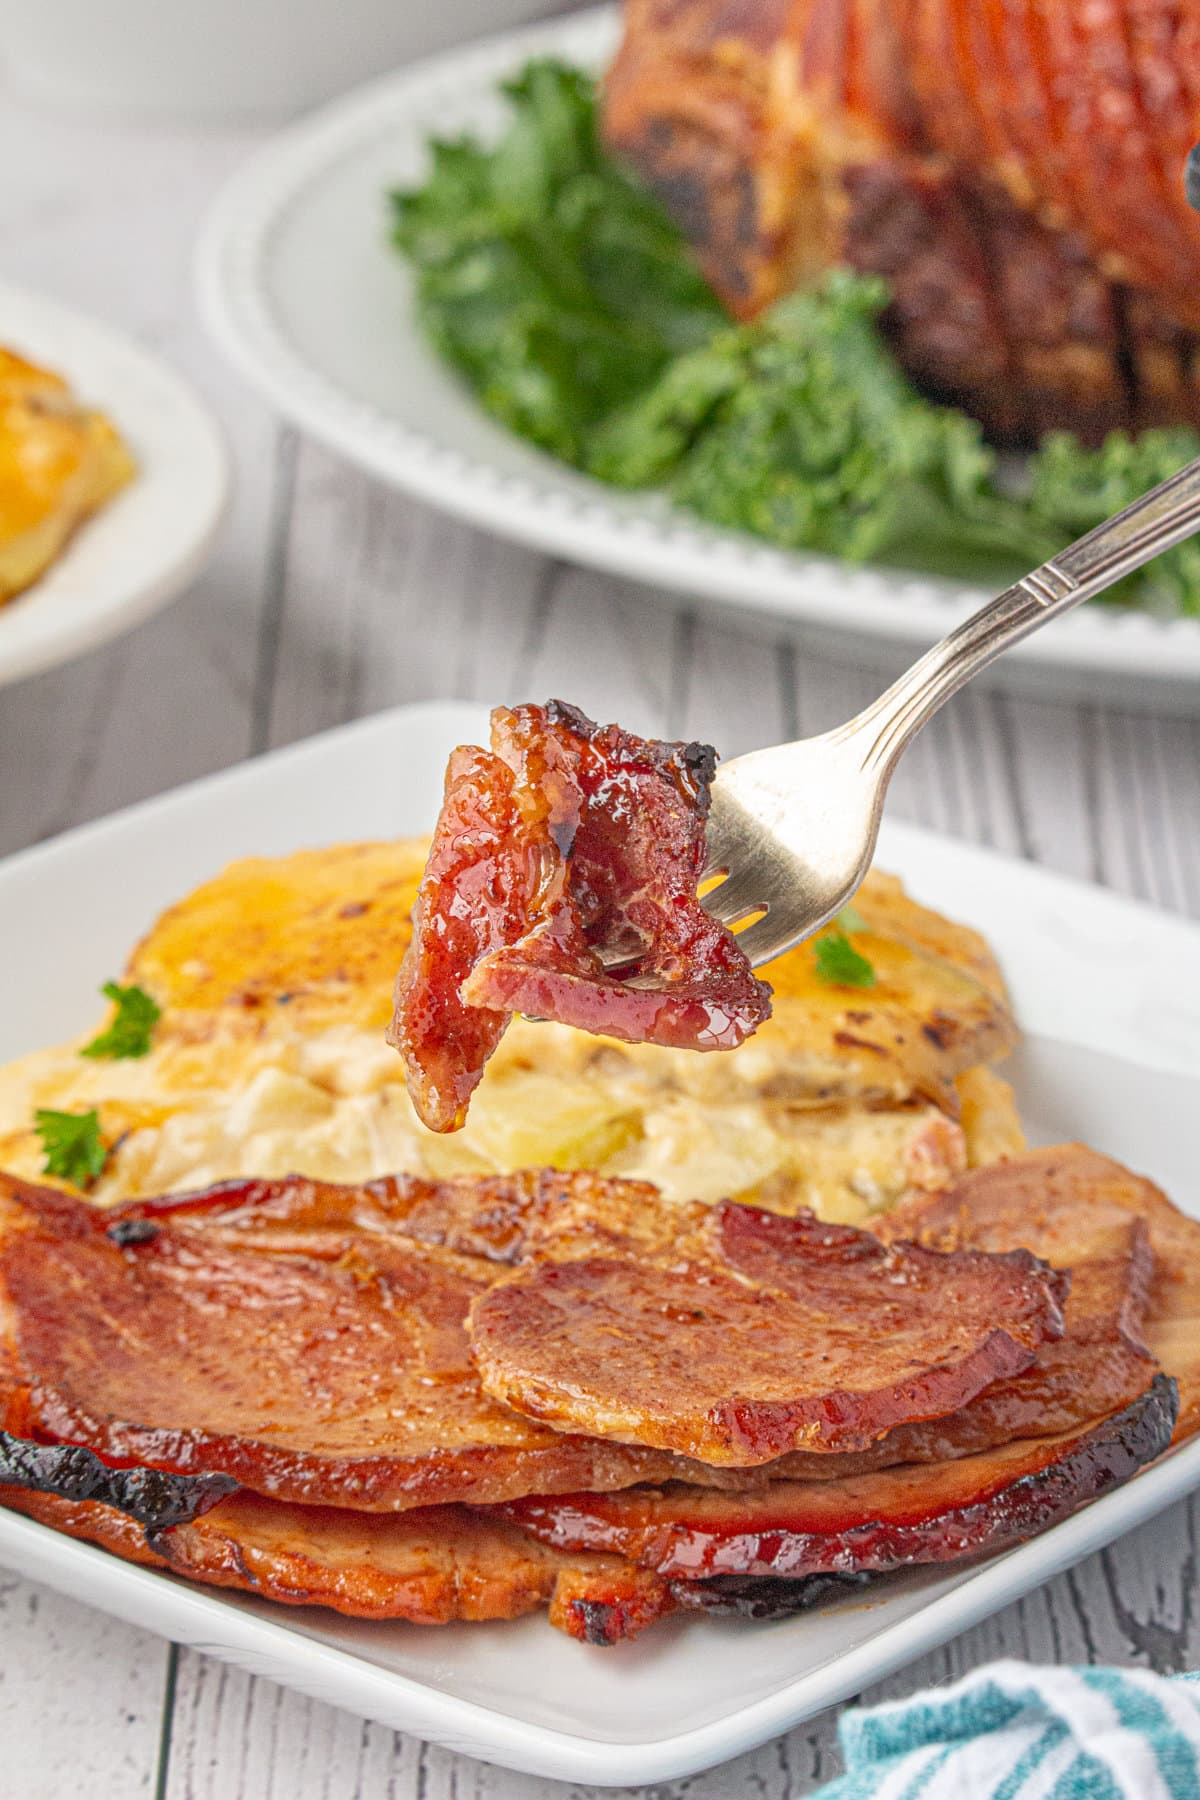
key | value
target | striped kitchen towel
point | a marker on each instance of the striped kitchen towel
(1012, 1731)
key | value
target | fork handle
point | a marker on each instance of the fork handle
(1158, 521)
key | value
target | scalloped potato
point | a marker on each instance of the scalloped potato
(275, 983)
(59, 464)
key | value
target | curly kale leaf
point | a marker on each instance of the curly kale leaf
(554, 284)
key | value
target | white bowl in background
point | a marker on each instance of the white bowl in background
(226, 58)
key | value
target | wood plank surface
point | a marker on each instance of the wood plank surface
(329, 598)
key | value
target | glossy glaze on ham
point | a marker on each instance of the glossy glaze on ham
(887, 1520)
(1046, 1199)
(307, 1358)
(94, 1298)
(318, 1349)
(429, 1567)
(734, 1336)
(562, 884)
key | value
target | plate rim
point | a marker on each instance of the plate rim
(88, 338)
(551, 507)
(341, 1676)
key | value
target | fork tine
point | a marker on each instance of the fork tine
(736, 896)
(763, 941)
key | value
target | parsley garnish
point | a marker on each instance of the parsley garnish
(72, 1144)
(850, 920)
(132, 1025)
(840, 964)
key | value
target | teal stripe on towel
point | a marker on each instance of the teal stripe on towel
(1086, 1779)
(990, 1737)
(1031, 1762)
(1140, 1712)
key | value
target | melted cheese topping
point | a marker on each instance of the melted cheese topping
(59, 463)
(275, 980)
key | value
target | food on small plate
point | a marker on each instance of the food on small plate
(60, 462)
(289, 1336)
(562, 884)
(274, 988)
(475, 1393)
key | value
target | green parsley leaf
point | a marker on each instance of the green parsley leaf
(850, 919)
(132, 1025)
(839, 963)
(554, 285)
(72, 1144)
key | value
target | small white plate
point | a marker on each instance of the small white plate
(301, 288)
(148, 542)
(1109, 995)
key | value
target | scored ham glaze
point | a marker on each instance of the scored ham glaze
(561, 884)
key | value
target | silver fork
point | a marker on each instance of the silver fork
(792, 829)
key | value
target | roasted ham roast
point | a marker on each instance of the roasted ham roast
(1013, 167)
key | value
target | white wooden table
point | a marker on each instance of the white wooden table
(330, 597)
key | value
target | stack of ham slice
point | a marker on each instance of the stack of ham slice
(478, 1398)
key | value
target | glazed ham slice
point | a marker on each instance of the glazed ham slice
(310, 1340)
(1051, 1200)
(735, 1336)
(1059, 1205)
(890, 1519)
(259, 1332)
(562, 884)
(430, 1567)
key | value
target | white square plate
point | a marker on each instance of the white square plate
(1108, 993)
